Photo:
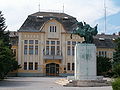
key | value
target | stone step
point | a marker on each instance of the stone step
(79, 83)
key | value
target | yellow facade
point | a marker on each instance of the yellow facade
(49, 51)
(43, 36)
(109, 52)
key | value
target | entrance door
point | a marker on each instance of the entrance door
(52, 69)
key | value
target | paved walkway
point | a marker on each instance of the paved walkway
(40, 83)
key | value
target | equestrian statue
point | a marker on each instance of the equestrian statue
(86, 31)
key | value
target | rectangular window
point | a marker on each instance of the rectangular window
(68, 42)
(50, 28)
(55, 29)
(102, 53)
(31, 42)
(36, 66)
(68, 50)
(47, 50)
(58, 50)
(25, 49)
(99, 53)
(30, 65)
(68, 66)
(52, 42)
(73, 66)
(31, 49)
(25, 65)
(36, 41)
(43, 51)
(58, 42)
(25, 41)
(73, 50)
(47, 42)
(52, 50)
(105, 54)
(36, 50)
(73, 42)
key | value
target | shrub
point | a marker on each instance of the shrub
(116, 84)
(116, 70)
(103, 66)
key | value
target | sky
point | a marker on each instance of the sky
(90, 11)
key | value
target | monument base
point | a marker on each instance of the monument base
(88, 83)
(85, 68)
(85, 62)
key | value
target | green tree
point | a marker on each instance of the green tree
(4, 35)
(116, 56)
(7, 58)
(116, 59)
(116, 70)
(103, 65)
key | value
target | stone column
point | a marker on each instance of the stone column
(85, 62)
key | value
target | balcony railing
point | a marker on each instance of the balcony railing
(53, 57)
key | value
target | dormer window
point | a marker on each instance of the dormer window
(101, 39)
(40, 16)
(53, 28)
(65, 17)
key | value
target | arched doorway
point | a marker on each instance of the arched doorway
(52, 69)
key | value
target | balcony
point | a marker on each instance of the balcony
(52, 57)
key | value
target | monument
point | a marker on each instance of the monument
(85, 53)
(85, 58)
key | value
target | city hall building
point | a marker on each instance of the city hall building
(43, 46)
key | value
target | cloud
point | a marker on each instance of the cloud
(91, 10)
(110, 28)
(16, 11)
(113, 29)
(117, 27)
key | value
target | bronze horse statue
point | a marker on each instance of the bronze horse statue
(86, 31)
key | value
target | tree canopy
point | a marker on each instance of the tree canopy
(103, 65)
(116, 56)
(8, 61)
(116, 59)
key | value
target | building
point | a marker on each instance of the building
(43, 45)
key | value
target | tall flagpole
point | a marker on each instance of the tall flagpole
(39, 6)
(63, 7)
(105, 14)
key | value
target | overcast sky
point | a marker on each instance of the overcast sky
(90, 11)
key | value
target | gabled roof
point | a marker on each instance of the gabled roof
(106, 43)
(105, 40)
(107, 36)
(35, 21)
(52, 14)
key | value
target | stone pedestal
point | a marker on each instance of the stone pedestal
(85, 62)
(85, 68)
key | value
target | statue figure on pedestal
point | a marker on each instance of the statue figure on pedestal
(86, 31)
